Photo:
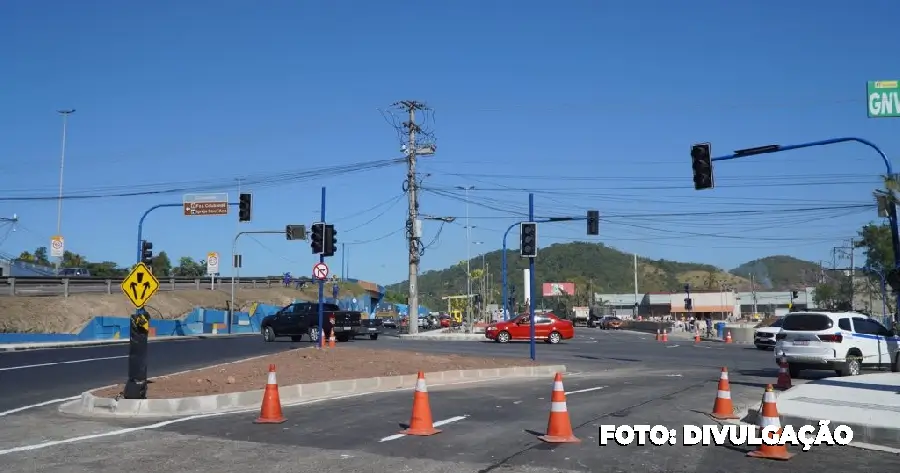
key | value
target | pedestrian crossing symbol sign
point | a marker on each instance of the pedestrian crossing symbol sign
(140, 285)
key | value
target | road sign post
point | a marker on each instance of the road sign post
(205, 204)
(322, 283)
(883, 98)
(139, 286)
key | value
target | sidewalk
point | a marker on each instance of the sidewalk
(440, 335)
(93, 343)
(869, 404)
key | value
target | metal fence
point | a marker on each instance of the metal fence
(66, 286)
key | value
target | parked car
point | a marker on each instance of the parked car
(845, 342)
(302, 318)
(764, 336)
(547, 327)
(389, 323)
(610, 322)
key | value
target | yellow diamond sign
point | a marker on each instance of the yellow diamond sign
(140, 285)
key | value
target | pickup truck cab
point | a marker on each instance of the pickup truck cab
(302, 318)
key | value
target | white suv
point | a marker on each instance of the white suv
(841, 341)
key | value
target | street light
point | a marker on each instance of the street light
(468, 257)
(62, 165)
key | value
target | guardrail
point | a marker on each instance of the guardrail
(65, 286)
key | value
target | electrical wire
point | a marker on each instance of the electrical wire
(390, 206)
(373, 240)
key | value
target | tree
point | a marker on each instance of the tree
(188, 268)
(161, 264)
(40, 255)
(876, 242)
(832, 295)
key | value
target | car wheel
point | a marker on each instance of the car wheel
(268, 334)
(554, 338)
(313, 333)
(793, 371)
(342, 337)
(761, 347)
(373, 336)
(503, 337)
(851, 367)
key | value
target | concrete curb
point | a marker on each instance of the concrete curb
(881, 436)
(95, 343)
(92, 406)
(447, 337)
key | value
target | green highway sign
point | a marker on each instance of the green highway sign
(883, 98)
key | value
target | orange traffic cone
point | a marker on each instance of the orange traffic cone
(784, 377)
(728, 337)
(769, 418)
(665, 335)
(723, 408)
(270, 412)
(332, 342)
(421, 423)
(559, 427)
(696, 336)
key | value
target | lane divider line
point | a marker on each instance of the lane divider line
(40, 404)
(587, 390)
(436, 424)
(55, 363)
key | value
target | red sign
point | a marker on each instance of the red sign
(557, 289)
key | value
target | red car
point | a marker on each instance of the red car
(547, 327)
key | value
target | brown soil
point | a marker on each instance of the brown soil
(308, 365)
(57, 314)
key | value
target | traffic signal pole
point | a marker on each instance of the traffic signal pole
(136, 386)
(531, 283)
(322, 281)
(892, 206)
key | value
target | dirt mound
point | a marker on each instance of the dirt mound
(57, 314)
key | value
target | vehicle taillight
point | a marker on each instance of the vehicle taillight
(836, 338)
(331, 320)
(780, 336)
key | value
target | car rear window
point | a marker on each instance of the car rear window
(807, 322)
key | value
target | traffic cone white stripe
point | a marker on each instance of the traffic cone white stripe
(769, 422)
(421, 387)
(723, 394)
(558, 407)
(769, 397)
(558, 386)
(272, 378)
(724, 375)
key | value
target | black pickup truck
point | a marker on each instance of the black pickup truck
(370, 327)
(302, 318)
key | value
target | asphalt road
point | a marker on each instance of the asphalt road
(618, 378)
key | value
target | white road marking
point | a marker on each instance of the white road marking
(436, 424)
(672, 346)
(158, 425)
(40, 404)
(585, 390)
(22, 367)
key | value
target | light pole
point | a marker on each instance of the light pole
(484, 298)
(62, 166)
(468, 257)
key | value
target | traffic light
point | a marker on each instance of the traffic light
(147, 252)
(701, 161)
(317, 240)
(295, 232)
(330, 240)
(245, 206)
(688, 304)
(528, 239)
(593, 222)
(794, 295)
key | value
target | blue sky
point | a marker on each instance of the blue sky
(589, 104)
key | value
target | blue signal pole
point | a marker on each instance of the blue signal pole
(322, 282)
(892, 207)
(531, 281)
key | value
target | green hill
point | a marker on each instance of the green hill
(779, 272)
(600, 269)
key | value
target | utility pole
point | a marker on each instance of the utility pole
(62, 166)
(852, 274)
(412, 225)
(753, 290)
(636, 303)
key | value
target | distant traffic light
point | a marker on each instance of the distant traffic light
(147, 253)
(317, 240)
(794, 294)
(688, 304)
(245, 207)
(701, 162)
(593, 222)
(528, 239)
(329, 241)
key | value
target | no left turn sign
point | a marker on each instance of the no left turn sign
(320, 271)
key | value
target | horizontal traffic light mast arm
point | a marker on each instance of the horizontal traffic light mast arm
(780, 148)
(140, 231)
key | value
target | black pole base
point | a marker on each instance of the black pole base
(135, 389)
